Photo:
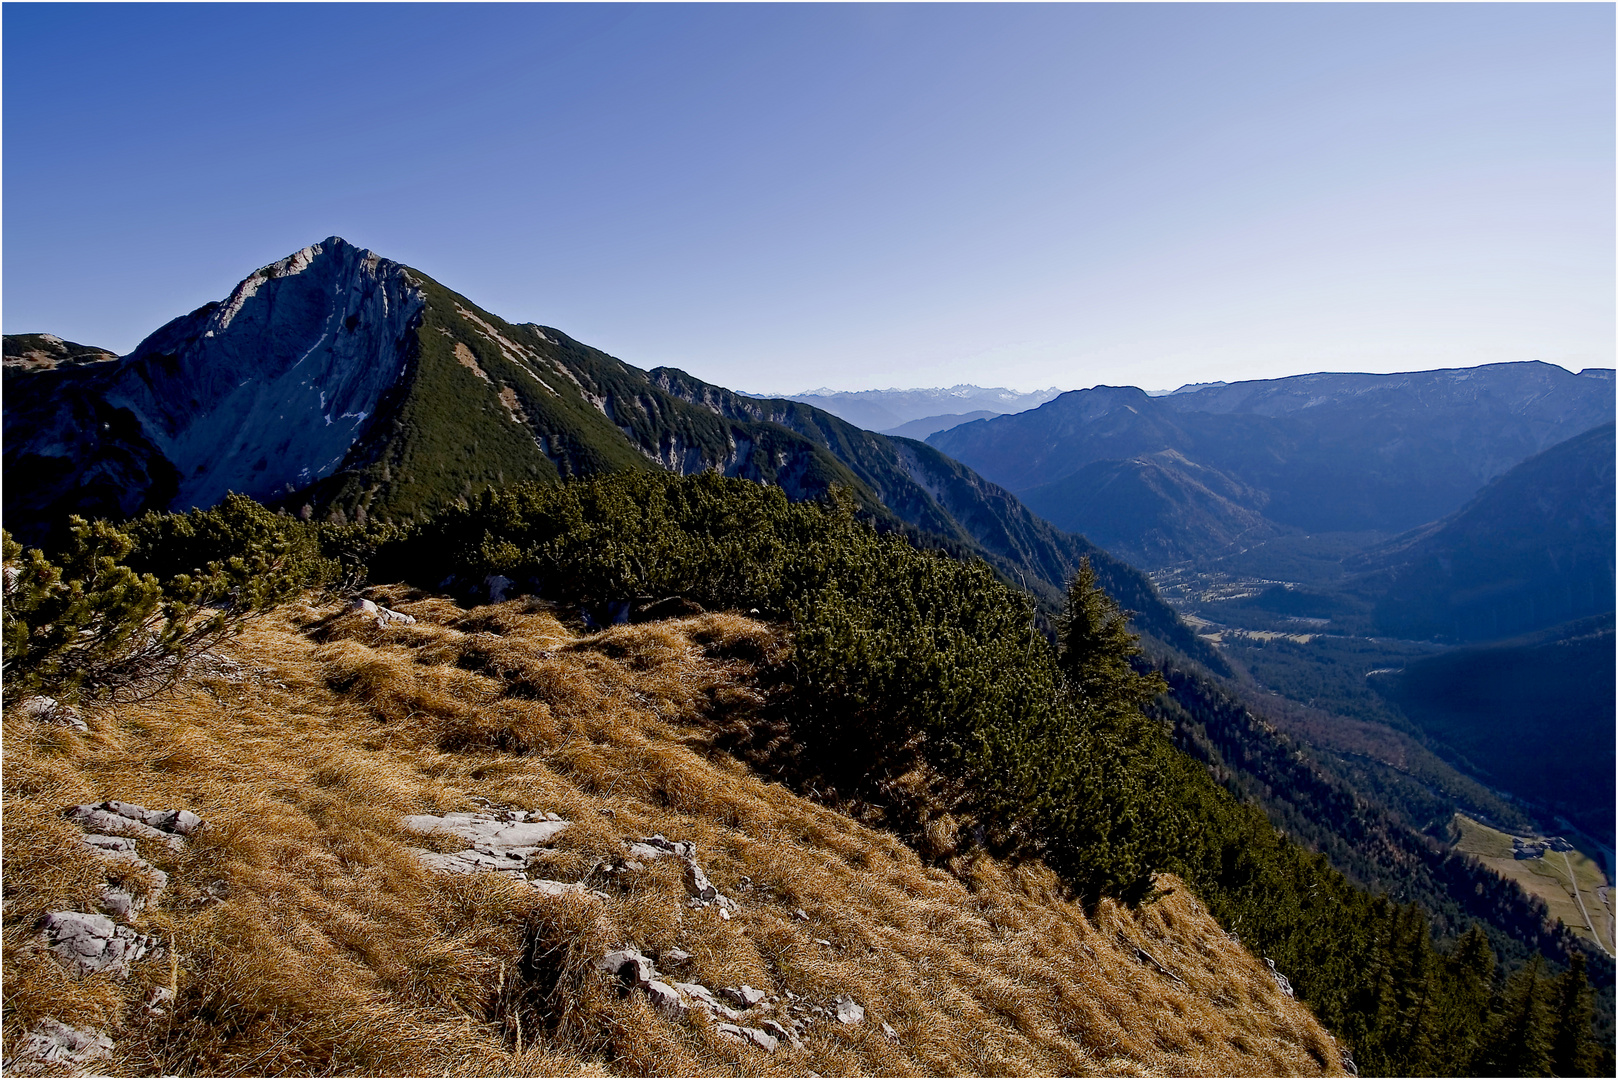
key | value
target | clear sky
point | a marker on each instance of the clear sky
(782, 197)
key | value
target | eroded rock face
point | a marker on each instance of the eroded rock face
(273, 385)
(279, 379)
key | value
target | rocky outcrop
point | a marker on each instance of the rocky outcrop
(90, 944)
(759, 1019)
(701, 891)
(500, 843)
(126, 819)
(96, 943)
(383, 616)
(56, 1049)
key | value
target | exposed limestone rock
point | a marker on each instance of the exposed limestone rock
(495, 585)
(1280, 980)
(674, 1000)
(126, 819)
(848, 1011)
(47, 710)
(500, 843)
(629, 965)
(158, 1000)
(565, 888)
(701, 890)
(55, 1046)
(761, 1039)
(92, 943)
(279, 380)
(486, 831)
(703, 998)
(122, 903)
(137, 822)
(887, 1029)
(743, 996)
(784, 1032)
(383, 616)
(666, 999)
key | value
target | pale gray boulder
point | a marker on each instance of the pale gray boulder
(849, 1011)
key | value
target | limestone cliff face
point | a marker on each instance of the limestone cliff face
(271, 388)
(262, 393)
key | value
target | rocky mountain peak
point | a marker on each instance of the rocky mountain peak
(279, 378)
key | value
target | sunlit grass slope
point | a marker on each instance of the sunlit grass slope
(310, 939)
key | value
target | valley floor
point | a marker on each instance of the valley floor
(302, 932)
(1571, 883)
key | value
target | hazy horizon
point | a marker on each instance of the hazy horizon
(848, 196)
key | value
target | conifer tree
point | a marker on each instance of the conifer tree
(1518, 1043)
(1464, 1008)
(1097, 651)
(1570, 1033)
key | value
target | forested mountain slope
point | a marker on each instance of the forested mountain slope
(338, 383)
(1534, 548)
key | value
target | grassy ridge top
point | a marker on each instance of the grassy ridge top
(335, 950)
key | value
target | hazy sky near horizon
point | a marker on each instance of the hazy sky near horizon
(782, 197)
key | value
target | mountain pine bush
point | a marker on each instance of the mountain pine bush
(122, 610)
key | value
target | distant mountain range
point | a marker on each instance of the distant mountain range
(337, 383)
(1317, 453)
(888, 410)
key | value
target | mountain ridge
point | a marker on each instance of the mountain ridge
(1331, 452)
(436, 399)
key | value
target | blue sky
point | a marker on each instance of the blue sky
(782, 197)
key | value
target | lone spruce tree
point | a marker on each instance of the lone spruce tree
(1124, 833)
(1097, 653)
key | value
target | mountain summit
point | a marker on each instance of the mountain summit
(337, 383)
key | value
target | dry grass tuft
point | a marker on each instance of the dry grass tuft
(310, 939)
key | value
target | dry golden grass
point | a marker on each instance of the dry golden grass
(333, 951)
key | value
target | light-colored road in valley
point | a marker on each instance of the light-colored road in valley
(1579, 898)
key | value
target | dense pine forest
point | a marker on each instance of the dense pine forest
(921, 694)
